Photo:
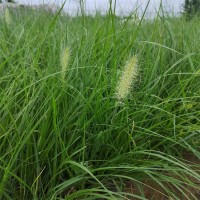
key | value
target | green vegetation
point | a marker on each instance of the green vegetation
(192, 8)
(65, 134)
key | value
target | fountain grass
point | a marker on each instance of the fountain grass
(70, 140)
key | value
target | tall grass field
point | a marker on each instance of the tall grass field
(94, 108)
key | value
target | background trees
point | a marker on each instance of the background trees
(191, 8)
(9, 1)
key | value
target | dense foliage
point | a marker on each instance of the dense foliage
(63, 132)
(192, 8)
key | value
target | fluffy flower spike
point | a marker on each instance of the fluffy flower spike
(64, 61)
(7, 16)
(127, 78)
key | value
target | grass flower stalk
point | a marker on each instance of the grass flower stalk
(7, 16)
(64, 61)
(127, 78)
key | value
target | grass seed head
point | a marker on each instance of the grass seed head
(64, 61)
(127, 78)
(7, 16)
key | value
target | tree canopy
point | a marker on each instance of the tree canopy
(9, 1)
(192, 8)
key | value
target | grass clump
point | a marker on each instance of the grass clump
(72, 141)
